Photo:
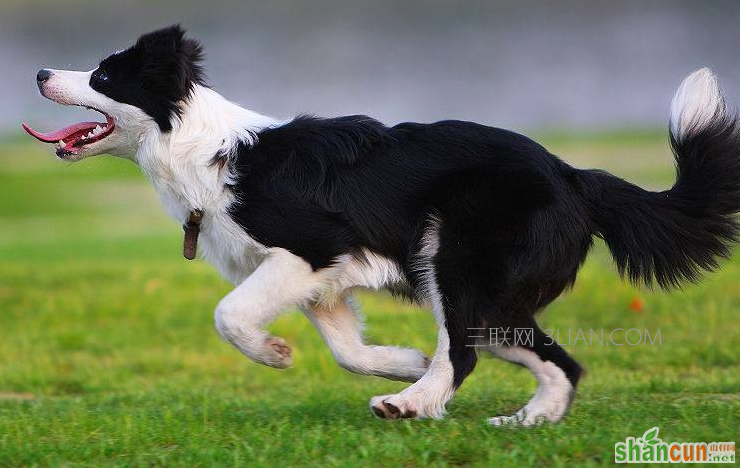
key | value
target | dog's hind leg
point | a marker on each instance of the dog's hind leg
(453, 360)
(341, 327)
(280, 281)
(556, 372)
(451, 363)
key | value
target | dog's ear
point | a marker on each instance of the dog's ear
(171, 59)
(165, 40)
(192, 54)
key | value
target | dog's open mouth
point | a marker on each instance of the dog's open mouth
(70, 140)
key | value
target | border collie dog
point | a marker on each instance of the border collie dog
(483, 225)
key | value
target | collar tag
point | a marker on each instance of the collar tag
(192, 229)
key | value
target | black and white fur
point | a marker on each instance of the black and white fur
(484, 225)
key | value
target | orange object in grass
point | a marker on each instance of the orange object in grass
(637, 305)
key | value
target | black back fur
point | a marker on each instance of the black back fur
(515, 221)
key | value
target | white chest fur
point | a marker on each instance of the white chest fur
(222, 242)
(180, 164)
(227, 246)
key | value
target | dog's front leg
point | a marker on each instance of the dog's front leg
(281, 280)
(341, 327)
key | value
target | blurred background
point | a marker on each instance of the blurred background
(539, 64)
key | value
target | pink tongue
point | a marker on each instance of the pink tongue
(54, 137)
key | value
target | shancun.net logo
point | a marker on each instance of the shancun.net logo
(650, 449)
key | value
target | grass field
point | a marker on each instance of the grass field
(108, 356)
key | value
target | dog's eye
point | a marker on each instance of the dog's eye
(103, 77)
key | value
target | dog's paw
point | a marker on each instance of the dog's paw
(521, 418)
(513, 420)
(385, 409)
(424, 399)
(408, 404)
(276, 353)
(549, 405)
(532, 415)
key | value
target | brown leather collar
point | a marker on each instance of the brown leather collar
(192, 229)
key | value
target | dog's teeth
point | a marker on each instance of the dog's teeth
(61, 144)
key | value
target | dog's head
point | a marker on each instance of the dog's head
(139, 89)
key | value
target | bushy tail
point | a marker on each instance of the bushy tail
(671, 236)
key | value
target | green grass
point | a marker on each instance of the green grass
(108, 356)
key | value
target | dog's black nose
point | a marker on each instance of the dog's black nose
(43, 75)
